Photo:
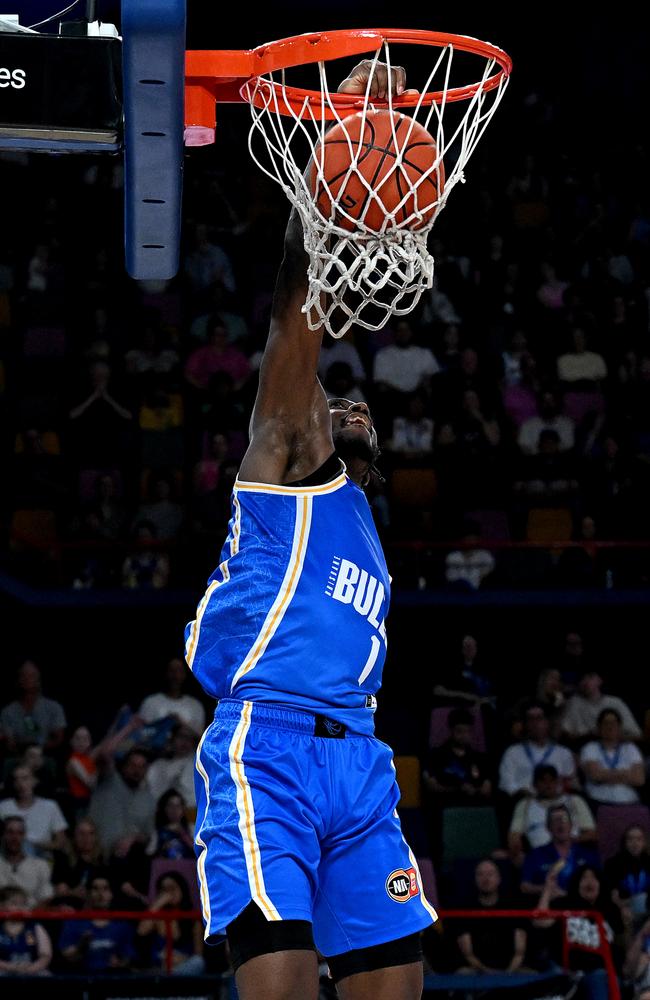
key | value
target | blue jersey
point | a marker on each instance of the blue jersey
(295, 612)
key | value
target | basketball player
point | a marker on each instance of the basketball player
(299, 845)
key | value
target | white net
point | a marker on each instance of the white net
(367, 267)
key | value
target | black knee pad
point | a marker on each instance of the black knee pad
(251, 934)
(402, 951)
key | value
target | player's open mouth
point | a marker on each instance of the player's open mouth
(357, 419)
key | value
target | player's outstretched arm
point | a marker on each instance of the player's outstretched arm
(291, 434)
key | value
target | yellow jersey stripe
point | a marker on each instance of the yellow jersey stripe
(286, 591)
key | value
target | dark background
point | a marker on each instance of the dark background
(593, 66)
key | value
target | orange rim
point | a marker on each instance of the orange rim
(232, 75)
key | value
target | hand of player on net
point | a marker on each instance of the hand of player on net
(378, 74)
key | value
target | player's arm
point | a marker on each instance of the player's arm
(291, 433)
(290, 427)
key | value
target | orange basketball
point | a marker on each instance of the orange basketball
(376, 163)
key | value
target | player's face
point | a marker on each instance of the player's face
(352, 427)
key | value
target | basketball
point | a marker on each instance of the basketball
(386, 136)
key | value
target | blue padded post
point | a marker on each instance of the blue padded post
(153, 61)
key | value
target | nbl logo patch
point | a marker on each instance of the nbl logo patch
(402, 885)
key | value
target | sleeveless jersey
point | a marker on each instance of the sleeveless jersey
(294, 614)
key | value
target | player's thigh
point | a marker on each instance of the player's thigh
(400, 982)
(281, 975)
(369, 890)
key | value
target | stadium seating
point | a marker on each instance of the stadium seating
(613, 821)
(468, 833)
(439, 731)
(407, 769)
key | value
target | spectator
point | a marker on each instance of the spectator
(172, 701)
(581, 365)
(341, 349)
(550, 691)
(552, 865)
(122, 807)
(340, 383)
(412, 436)
(512, 357)
(637, 962)
(43, 768)
(19, 869)
(584, 891)
(455, 772)
(81, 767)
(627, 874)
(583, 709)
(172, 893)
(100, 433)
(217, 356)
(528, 827)
(520, 760)
(549, 419)
(207, 263)
(207, 471)
(96, 947)
(32, 718)
(104, 516)
(145, 568)
(491, 946)
(613, 768)
(574, 660)
(464, 680)
(45, 824)
(177, 770)
(550, 293)
(401, 368)
(74, 869)
(160, 510)
(468, 567)
(548, 476)
(25, 946)
(219, 302)
(173, 837)
(152, 356)
(520, 399)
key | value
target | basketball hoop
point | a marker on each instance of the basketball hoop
(358, 274)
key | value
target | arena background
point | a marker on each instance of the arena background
(579, 95)
(592, 68)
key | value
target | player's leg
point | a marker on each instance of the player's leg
(273, 960)
(258, 851)
(402, 982)
(391, 971)
(282, 975)
(370, 907)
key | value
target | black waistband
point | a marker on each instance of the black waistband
(329, 728)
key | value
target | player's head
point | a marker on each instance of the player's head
(354, 434)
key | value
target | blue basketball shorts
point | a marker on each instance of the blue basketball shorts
(306, 827)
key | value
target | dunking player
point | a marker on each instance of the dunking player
(299, 845)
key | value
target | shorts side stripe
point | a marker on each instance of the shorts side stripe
(200, 867)
(247, 816)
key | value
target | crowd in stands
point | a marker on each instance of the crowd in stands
(533, 800)
(513, 404)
